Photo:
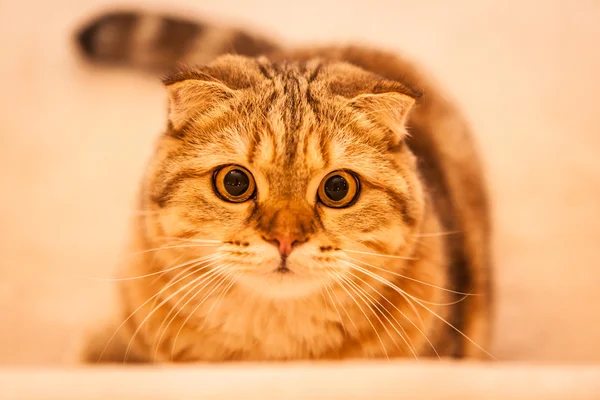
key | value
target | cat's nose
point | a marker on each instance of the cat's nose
(286, 243)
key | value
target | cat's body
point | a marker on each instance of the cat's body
(377, 276)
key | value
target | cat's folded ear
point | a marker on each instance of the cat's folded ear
(199, 93)
(193, 94)
(376, 100)
(386, 109)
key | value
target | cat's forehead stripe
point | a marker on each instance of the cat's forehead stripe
(289, 120)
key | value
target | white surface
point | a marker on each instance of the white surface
(348, 382)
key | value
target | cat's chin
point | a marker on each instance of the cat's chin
(281, 285)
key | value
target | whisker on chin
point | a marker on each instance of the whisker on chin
(325, 289)
(217, 303)
(325, 302)
(379, 255)
(452, 326)
(385, 281)
(403, 294)
(409, 343)
(341, 303)
(131, 341)
(215, 273)
(412, 279)
(340, 282)
(380, 308)
(224, 278)
(223, 294)
(418, 301)
(147, 301)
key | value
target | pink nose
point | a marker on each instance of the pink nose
(286, 243)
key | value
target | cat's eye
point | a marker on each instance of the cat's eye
(234, 183)
(339, 189)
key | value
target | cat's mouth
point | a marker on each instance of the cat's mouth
(282, 279)
(283, 268)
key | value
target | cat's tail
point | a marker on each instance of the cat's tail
(158, 42)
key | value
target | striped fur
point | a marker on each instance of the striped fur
(289, 116)
(158, 42)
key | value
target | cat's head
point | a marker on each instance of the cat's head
(284, 176)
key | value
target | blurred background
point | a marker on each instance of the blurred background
(74, 140)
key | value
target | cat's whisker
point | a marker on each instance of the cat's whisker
(139, 327)
(385, 281)
(160, 276)
(212, 259)
(452, 326)
(131, 278)
(412, 279)
(144, 304)
(379, 255)
(325, 289)
(223, 293)
(403, 293)
(340, 301)
(450, 303)
(437, 234)
(400, 292)
(405, 337)
(181, 246)
(372, 304)
(173, 278)
(217, 301)
(388, 283)
(224, 279)
(176, 309)
(180, 239)
(341, 282)
(425, 244)
(375, 303)
(325, 302)
(151, 264)
(179, 309)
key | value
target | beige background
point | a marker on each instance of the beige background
(73, 141)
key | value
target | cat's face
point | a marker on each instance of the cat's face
(285, 178)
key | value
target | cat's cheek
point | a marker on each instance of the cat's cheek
(396, 236)
(330, 220)
(343, 227)
(227, 221)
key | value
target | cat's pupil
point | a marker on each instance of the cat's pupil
(336, 188)
(236, 182)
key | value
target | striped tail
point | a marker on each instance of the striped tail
(158, 42)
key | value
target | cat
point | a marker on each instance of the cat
(313, 203)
